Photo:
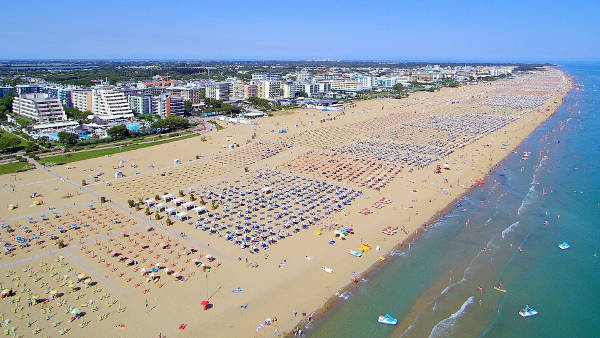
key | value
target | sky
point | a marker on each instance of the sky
(401, 30)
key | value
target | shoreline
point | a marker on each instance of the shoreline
(277, 286)
(320, 313)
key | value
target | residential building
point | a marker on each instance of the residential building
(140, 104)
(218, 91)
(238, 91)
(345, 84)
(110, 103)
(269, 90)
(82, 99)
(39, 107)
(5, 91)
(23, 89)
(166, 105)
(266, 76)
(64, 95)
(250, 90)
(191, 94)
(303, 75)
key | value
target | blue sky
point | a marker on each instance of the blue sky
(296, 30)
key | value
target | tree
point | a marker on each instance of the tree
(301, 94)
(398, 87)
(202, 92)
(187, 106)
(66, 138)
(9, 142)
(76, 114)
(171, 123)
(118, 132)
(23, 121)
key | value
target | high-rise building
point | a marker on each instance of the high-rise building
(250, 90)
(5, 91)
(39, 107)
(166, 105)
(191, 94)
(269, 90)
(82, 99)
(64, 95)
(218, 91)
(110, 102)
(140, 104)
(23, 89)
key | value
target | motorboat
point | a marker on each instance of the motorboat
(355, 253)
(387, 319)
(528, 311)
(564, 246)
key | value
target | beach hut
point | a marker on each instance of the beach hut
(149, 202)
(167, 197)
(182, 216)
(160, 207)
(178, 201)
(200, 210)
(189, 205)
(171, 211)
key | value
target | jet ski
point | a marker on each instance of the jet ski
(564, 246)
(387, 319)
(528, 311)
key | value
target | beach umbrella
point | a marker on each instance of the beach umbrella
(76, 311)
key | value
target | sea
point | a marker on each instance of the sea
(432, 288)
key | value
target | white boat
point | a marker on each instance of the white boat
(387, 319)
(326, 269)
(355, 253)
(528, 312)
(564, 245)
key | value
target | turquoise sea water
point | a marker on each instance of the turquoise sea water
(431, 288)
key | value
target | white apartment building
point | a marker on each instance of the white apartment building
(191, 94)
(269, 90)
(345, 84)
(110, 103)
(218, 91)
(303, 75)
(82, 100)
(324, 86)
(39, 107)
(365, 81)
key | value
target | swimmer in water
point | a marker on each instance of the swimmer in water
(558, 216)
(520, 250)
(480, 289)
(546, 223)
(511, 245)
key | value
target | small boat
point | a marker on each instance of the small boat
(326, 269)
(500, 289)
(564, 246)
(528, 312)
(355, 253)
(387, 319)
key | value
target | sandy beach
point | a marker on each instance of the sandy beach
(263, 221)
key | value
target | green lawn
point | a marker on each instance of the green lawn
(218, 126)
(12, 167)
(101, 152)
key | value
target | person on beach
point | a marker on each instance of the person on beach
(480, 289)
